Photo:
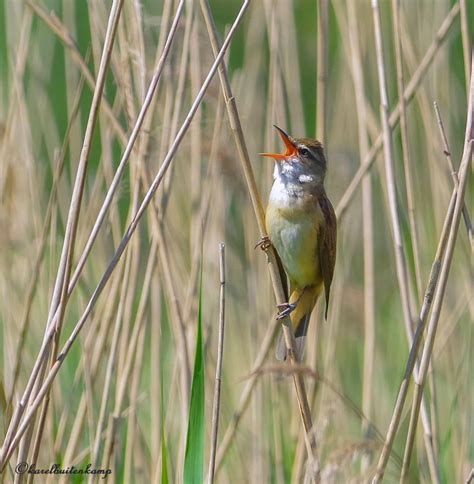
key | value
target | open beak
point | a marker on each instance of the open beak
(289, 144)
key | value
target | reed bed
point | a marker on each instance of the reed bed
(129, 141)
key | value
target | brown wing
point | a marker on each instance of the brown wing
(327, 245)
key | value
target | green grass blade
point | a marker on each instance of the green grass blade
(194, 457)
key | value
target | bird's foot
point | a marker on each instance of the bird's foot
(264, 243)
(285, 309)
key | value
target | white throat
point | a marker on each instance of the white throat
(290, 184)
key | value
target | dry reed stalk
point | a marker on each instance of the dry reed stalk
(132, 283)
(443, 278)
(405, 144)
(231, 429)
(276, 403)
(220, 355)
(124, 76)
(137, 40)
(367, 221)
(389, 172)
(111, 361)
(132, 417)
(260, 216)
(454, 176)
(196, 132)
(156, 380)
(7, 450)
(89, 396)
(322, 71)
(59, 298)
(408, 94)
(466, 42)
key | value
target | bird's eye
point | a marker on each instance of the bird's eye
(304, 152)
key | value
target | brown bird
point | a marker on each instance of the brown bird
(301, 225)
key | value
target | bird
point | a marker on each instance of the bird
(302, 227)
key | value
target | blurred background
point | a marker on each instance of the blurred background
(125, 376)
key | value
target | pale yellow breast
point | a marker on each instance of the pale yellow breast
(294, 234)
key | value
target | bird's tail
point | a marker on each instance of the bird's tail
(305, 301)
(300, 337)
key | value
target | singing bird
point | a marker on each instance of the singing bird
(301, 225)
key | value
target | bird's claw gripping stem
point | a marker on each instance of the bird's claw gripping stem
(264, 243)
(285, 309)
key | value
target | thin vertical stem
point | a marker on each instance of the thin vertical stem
(405, 143)
(466, 41)
(220, 354)
(247, 391)
(454, 176)
(368, 230)
(322, 71)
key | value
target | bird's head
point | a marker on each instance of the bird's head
(303, 161)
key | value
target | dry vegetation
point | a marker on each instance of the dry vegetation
(106, 223)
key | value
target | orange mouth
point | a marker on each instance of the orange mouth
(290, 147)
